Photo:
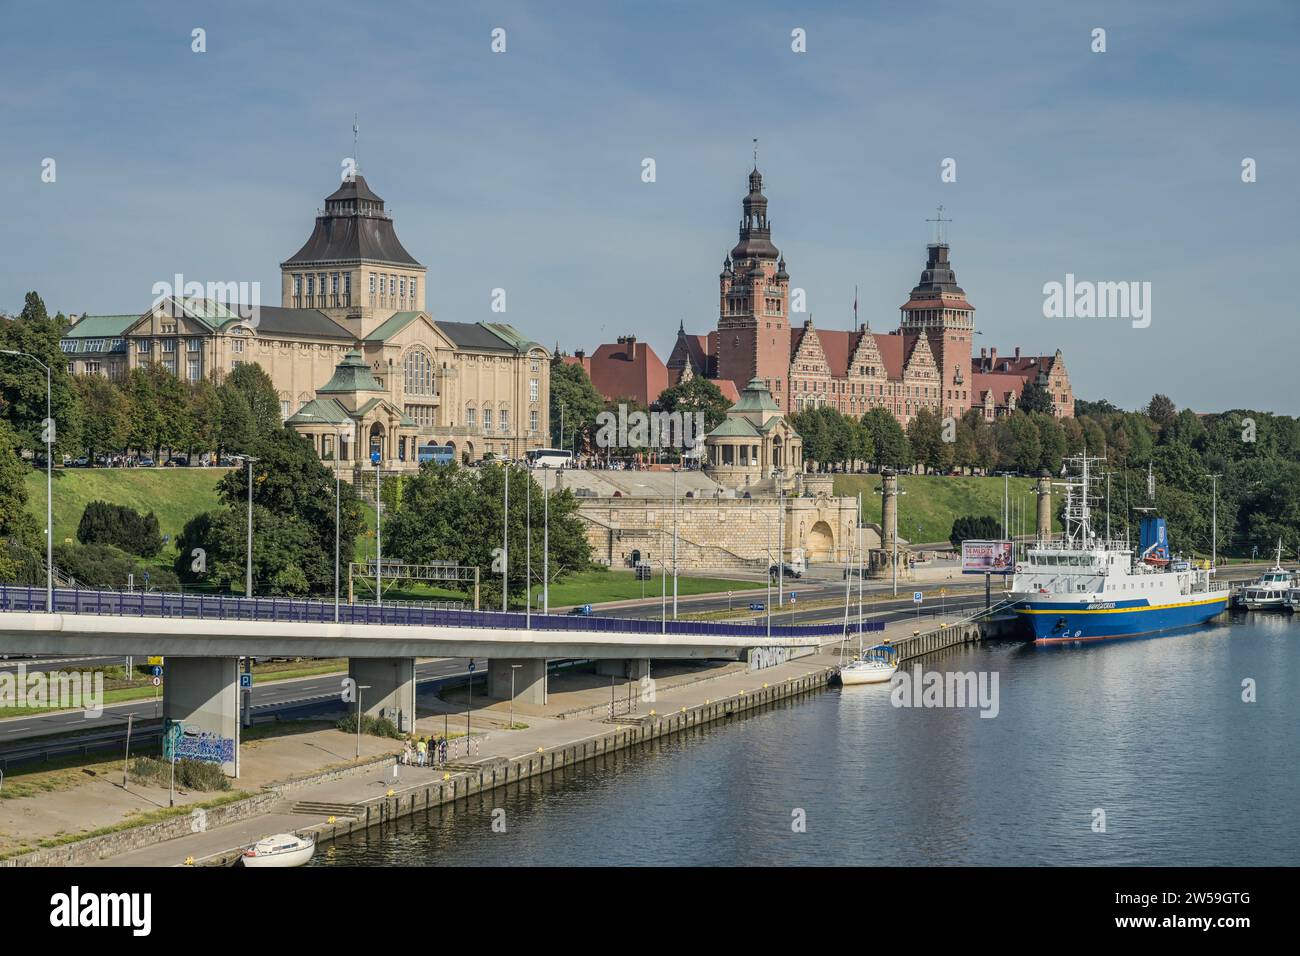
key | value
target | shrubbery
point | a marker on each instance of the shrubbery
(971, 528)
(120, 526)
(374, 726)
(104, 566)
(190, 774)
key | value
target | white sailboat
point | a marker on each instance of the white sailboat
(877, 664)
(283, 849)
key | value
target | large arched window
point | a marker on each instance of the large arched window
(419, 372)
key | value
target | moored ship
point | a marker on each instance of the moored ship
(1084, 587)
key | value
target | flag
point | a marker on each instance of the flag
(855, 305)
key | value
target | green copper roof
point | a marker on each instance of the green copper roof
(100, 326)
(735, 428)
(320, 411)
(396, 322)
(350, 375)
(756, 398)
(402, 417)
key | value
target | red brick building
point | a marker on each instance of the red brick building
(925, 363)
(624, 369)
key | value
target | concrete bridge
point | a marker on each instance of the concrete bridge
(202, 638)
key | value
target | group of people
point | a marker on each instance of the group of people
(424, 752)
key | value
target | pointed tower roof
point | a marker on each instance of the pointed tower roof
(354, 227)
(755, 230)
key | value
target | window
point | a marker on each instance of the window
(419, 373)
(142, 346)
(193, 370)
(471, 416)
(170, 365)
(334, 284)
(414, 283)
(392, 285)
(372, 283)
(402, 286)
(534, 419)
(284, 409)
(92, 368)
(68, 345)
(168, 346)
(487, 419)
(504, 420)
(533, 390)
(297, 286)
(311, 285)
(194, 345)
(237, 346)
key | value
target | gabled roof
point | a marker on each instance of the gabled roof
(395, 323)
(320, 411)
(756, 398)
(735, 427)
(402, 417)
(100, 326)
(275, 320)
(478, 336)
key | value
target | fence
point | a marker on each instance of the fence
(23, 598)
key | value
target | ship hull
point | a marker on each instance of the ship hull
(1060, 622)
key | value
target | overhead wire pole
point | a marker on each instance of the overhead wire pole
(674, 544)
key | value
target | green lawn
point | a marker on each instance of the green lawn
(175, 495)
(933, 502)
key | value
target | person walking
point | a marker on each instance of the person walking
(422, 747)
(442, 750)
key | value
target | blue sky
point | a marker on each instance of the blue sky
(522, 170)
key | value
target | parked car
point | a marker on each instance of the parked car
(82, 462)
(789, 571)
(146, 463)
(177, 461)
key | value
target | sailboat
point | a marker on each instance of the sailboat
(877, 664)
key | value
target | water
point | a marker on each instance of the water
(1152, 731)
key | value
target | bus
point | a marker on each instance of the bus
(549, 458)
(438, 454)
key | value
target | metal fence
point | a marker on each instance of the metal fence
(205, 607)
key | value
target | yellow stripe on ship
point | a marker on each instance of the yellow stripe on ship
(1120, 610)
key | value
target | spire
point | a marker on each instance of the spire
(755, 229)
(938, 221)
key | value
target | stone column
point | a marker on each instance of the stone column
(389, 684)
(529, 678)
(1044, 523)
(202, 695)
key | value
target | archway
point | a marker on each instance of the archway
(821, 542)
(377, 440)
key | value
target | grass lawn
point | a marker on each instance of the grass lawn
(175, 495)
(932, 502)
(587, 587)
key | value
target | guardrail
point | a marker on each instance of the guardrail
(201, 607)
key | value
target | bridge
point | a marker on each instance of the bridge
(203, 636)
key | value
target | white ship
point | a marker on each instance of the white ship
(1271, 591)
(1085, 587)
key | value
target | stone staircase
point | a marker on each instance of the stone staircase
(349, 811)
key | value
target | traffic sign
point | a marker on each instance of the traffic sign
(916, 597)
(156, 671)
(155, 660)
(471, 667)
(157, 682)
(794, 596)
(374, 458)
(245, 680)
(756, 606)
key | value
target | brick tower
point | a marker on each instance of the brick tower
(937, 309)
(753, 303)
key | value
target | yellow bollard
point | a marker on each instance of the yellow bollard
(331, 821)
(189, 861)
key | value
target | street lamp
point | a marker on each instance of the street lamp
(546, 539)
(379, 541)
(338, 490)
(248, 589)
(675, 470)
(48, 434)
(1214, 525)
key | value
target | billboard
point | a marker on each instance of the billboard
(986, 557)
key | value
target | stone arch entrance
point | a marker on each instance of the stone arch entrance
(377, 441)
(820, 545)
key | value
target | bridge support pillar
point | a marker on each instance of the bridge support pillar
(386, 686)
(202, 695)
(632, 668)
(529, 677)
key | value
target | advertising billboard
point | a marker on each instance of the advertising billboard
(986, 557)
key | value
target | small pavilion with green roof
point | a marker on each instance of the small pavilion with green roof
(754, 443)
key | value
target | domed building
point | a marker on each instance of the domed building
(754, 445)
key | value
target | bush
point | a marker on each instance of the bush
(190, 774)
(972, 528)
(104, 566)
(120, 526)
(373, 726)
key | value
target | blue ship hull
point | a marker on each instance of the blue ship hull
(1060, 622)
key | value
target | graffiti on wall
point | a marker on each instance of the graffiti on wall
(189, 742)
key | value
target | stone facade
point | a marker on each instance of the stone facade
(352, 288)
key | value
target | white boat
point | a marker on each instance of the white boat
(283, 849)
(877, 667)
(1270, 591)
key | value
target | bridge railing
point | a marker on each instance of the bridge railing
(208, 607)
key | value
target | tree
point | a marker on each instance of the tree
(575, 403)
(696, 394)
(1161, 410)
(106, 414)
(925, 435)
(120, 526)
(22, 555)
(1035, 398)
(888, 442)
(258, 392)
(22, 381)
(1051, 443)
(450, 513)
(975, 528)
(205, 411)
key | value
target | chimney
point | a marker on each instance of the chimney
(993, 358)
(578, 354)
(1017, 353)
(984, 353)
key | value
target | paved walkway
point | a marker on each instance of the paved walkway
(543, 732)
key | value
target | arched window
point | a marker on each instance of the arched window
(419, 373)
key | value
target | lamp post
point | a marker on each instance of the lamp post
(379, 541)
(546, 539)
(505, 546)
(48, 435)
(675, 470)
(247, 695)
(338, 450)
(528, 552)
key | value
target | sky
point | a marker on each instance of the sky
(523, 170)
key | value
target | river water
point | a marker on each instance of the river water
(1152, 732)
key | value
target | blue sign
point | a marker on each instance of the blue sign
(471, 667)
(916, 597)
(156, 671)
(756, 606)
(245, 680)
(794, 596)
(374, 458)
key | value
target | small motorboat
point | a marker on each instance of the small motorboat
(1270, 591)
(876, 666)
(282, 849)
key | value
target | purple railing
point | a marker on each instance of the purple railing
(205, 607)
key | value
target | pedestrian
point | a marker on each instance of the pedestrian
(442, 750)
(422, 747)
(406, 752)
